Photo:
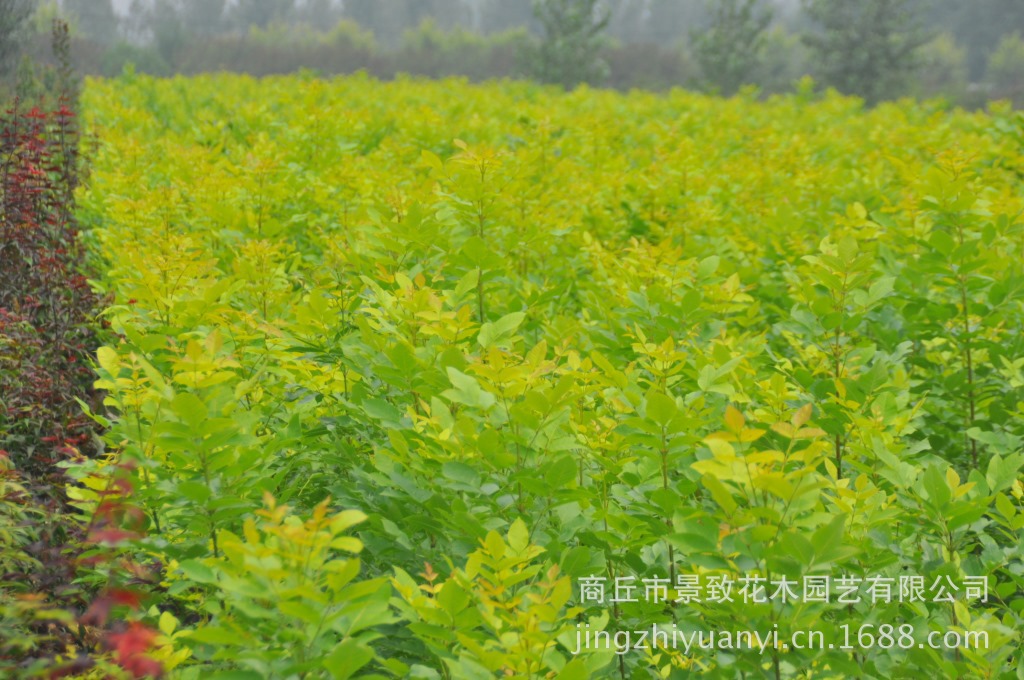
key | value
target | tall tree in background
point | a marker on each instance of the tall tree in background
(571, 41)
(446, 14)
(504, 15)
(260, 13)
(322, 14)
(169, 33)
(729, 50)
(977, 25)
(667, 20)
(135, 27)
(866, 48)
(203, 17)
(95, 19)
(1005, 72)
(362, 12)
(14, 15)
(387, 19)
(629, 20)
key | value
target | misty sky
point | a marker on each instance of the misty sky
(121, 6)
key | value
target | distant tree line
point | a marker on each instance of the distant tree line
(877, 49)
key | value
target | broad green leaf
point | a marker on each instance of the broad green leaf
(347, 657)
(501, 330)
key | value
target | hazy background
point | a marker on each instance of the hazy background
(965, 51)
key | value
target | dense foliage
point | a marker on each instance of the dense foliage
(394, 366)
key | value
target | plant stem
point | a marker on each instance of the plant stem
(970, 370)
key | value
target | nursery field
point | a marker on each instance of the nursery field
(431, 380)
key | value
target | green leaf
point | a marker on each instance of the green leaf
(942, 242)
(498, 331)
(776, 483)
(1005, 506)
(215, 635)
(189, 408)
(828, 540)
(720, 493)
(1002, 472)
(560, 472)
(708, 266)
(964, 513)
(108, 360)
(661, 408)
(518, 536)
(431, 160)
(452, 598)
(194, 491)
(466, 284)
(847, 248)
(574, 670)
(880, 288)
(167, 624)
(381, 410)
(935, 485)
(467, 390)
(479, 253)
(577, 561)
(347, 519)
(461, 473)
(300, 610)
(197, 571)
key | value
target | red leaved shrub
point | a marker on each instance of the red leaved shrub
(47, 341)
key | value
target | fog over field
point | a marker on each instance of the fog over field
(964, 53)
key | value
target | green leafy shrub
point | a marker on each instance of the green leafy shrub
(1005, 66)
(502, 614)
(283, 601)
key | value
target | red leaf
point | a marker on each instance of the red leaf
(130, 648)
(143, 667)
(136, 640)
(98, 612)
(111, 536)
(125, 597)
